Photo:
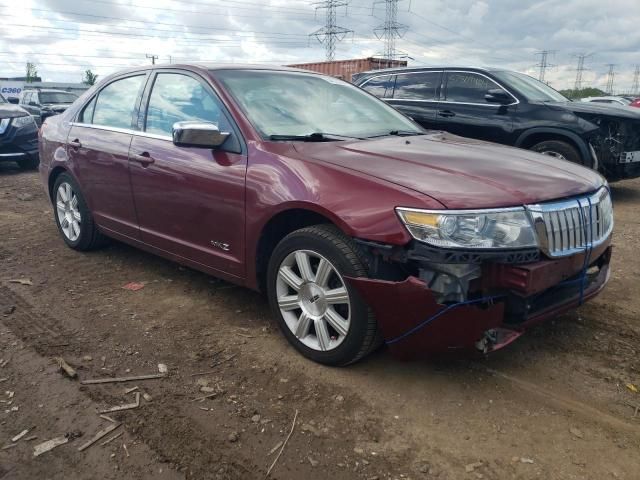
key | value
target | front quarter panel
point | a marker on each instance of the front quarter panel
(361, 206)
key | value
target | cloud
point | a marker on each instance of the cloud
(65, 37)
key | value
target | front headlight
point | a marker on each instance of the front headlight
(478, 229)
(22, 121)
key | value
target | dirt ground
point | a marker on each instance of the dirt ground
(554, 405)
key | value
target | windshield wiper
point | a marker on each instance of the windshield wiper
(311, 137)
(398, 133)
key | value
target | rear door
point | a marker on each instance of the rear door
(98, 145)
(416, 94)
(190, 201)
(464, 111)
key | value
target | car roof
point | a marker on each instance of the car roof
(46, 90)
(606, 97)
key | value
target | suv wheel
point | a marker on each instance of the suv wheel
(73, 218)
(318, 312)
(30, 163)
(558, 149)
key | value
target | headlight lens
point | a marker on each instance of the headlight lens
(22, 121)
(482, 229)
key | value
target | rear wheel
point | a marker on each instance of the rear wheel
(318, 312)
(558, 149)
(73, 218)
(30, 163)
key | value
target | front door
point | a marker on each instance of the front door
(98, 145)
(463, 109)
(190, 201)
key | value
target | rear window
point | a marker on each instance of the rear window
(381, 87)
(117, 102)
(417, 86)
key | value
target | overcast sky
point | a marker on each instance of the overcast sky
(65, 37)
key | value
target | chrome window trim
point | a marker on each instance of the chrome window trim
(127, 131)
(442, 87)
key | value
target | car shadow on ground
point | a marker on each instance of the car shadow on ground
(11, 168)
(624, 193)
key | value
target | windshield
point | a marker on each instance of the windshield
(57, 97)
(297, 104)
(532, 89)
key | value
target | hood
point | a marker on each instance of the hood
(596, 108)
(9, 110)
(459, 172)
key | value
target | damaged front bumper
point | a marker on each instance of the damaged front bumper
(616, 146)
(502, 302)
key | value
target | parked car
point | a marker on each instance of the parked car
(635, 103)
(610, 100)
(360, 226)
(44, 103)
(513, 109)
(18, 136)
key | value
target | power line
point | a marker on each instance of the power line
(611, 75)
(579, 71)
(331, 33)
(635, 85)
(544, 63)
(390, 29)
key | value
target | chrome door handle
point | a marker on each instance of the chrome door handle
(75, 143)
(446, 113)
(143, 158)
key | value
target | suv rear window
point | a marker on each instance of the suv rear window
(417, 86)
(381, 87)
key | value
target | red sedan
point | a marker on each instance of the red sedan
(360, 226)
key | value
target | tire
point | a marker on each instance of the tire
(30, 163)
(84, 235)
(343, 342)
(558, 149)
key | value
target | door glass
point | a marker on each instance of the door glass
(468, 87)
(86, 115)
(26, 98)
(179, 98)
(117, 101)
(381, 87)
(417, 86)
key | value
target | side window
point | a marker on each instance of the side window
(468, 87)
(35, 98)
(86, 115)
(116, 102)
(417, 86)
(26, 98)
(381, 87)
(178, 98)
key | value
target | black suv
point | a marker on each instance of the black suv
(45, 103)
(513, 109)
(18, 136)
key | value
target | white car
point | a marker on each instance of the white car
(611, 100)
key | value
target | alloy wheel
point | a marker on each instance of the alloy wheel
(313, 300)
(69, 216)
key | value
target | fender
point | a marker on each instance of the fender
(583, 148)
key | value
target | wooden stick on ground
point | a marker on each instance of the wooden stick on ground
(293, 426)
(215, 365)
(109, 440)
(122, 379)
(128, 406)
(99, 435)
(68, 369)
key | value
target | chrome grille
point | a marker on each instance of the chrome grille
(570, 226)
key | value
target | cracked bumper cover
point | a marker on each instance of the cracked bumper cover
(414, 324)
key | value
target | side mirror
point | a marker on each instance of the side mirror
(14, 100)
(198, 134)
(497, 95)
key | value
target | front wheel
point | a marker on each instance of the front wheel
(558, 149)
(319, 313)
